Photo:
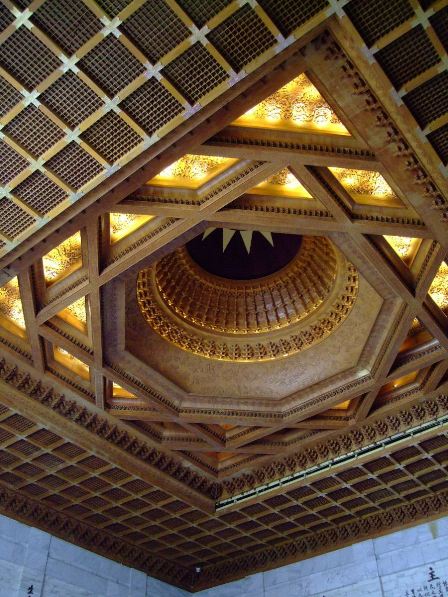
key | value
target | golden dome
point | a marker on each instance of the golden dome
(249, 320)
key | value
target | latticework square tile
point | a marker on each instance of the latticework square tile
(289, 14)
(195, 72)
(200, 12)
(439, 140)
(34, 131)
(113, 7)
(74, 166)
(151, 106)
(71, 99)
(440, 23)
(408, 56)
(6, 17)
(69, 24)
(12, 163)
(14, 220)
(9, 97)
(23, 3)
(425, 4)
(111, 137)
(430, 100)
(155, 29)
(26, 58)
(242, 37)
(40, 193)
(111, 66)
(375, 18)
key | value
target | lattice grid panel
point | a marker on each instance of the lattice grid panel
(45, 132)
(155, 29)
(76, 482)
(195, 73)
(430, 100)
(201, 12)
(14, 219)
(439, 21)
(33, 53)
(71, 99)
(152, 106)
(439, 140)
(111, 137)
(111, 65)
(40, 193)
(113, 7)
(74, 166)
(408, 56)
(6, 17)
(289, 15)
(375, 18)
(9, 97)
(12, 163)
(242, 37)
(70, 24)
(27, 59)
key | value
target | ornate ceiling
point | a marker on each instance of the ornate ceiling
(224, 285)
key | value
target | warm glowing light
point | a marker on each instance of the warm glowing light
(119, 392)
(76, 314)
(273, 112)
(221, 456)
(70, 362)
(415, 324)
(227, 426)
(342, 405)
(400, 382)
(123, 224)
(191, 171)
(417, 335)
(11, 306)
(439, 287)
(404, 246)
(63, 259)
(282, 183)
(297, 105)
(364, 185)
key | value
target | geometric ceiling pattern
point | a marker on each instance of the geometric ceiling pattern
(158, 404)
(100, 79)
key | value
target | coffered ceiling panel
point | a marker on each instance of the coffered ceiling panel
(224, 284)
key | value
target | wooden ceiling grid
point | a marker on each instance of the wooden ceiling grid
(139, 475)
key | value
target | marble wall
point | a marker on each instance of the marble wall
(410, 563)
(35, 563)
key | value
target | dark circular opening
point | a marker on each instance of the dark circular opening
(235, 262)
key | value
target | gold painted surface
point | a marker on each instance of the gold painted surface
(122, 225)
(70, 362)
(11, 310)
(341, 405)
(247, 321)
(63, 259)
(76, 314)
(365, 186)
(439, 287)
(405, 246)
(399, 382)
(246, 307)
(298, 105)
(191, 171)
(119, 392)
(283, 184)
